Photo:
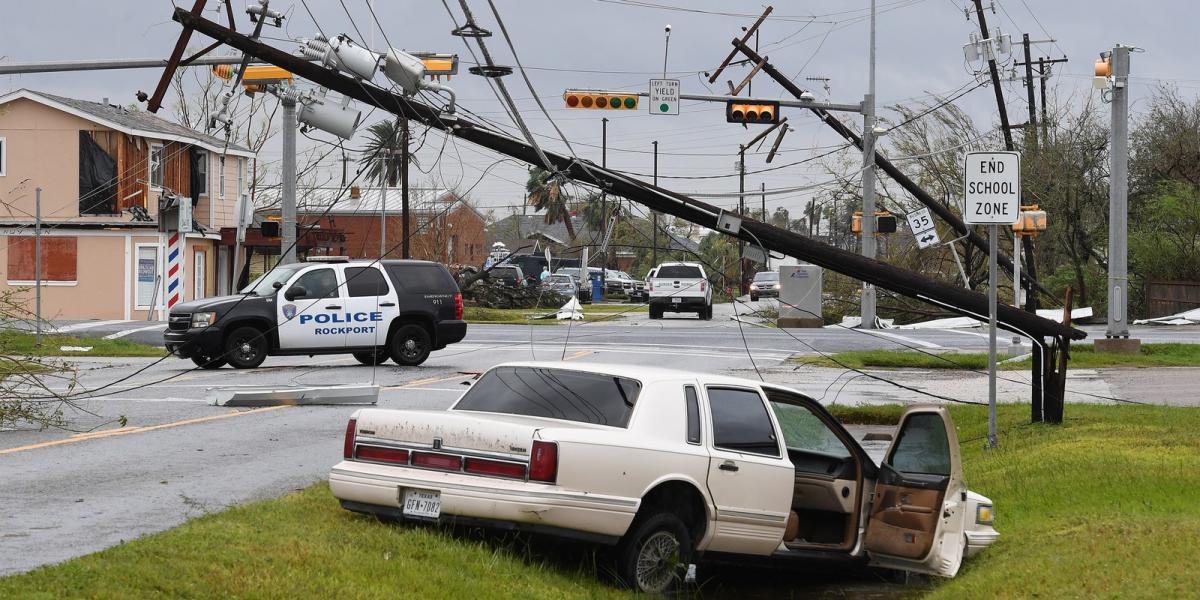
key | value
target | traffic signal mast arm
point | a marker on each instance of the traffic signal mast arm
(901, 281)
(894, 172)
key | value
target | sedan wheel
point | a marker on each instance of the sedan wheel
(246, 348)
(655, 553)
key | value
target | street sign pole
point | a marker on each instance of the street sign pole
(992, 268)
(992, 197)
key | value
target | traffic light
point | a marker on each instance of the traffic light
(885, 222)
(1030, 222)
(601, 100)
(256, 77)
(764, 113)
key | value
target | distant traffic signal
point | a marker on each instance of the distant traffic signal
(601, 100)
(765, 113)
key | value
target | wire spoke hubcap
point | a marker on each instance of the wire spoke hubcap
(656, 562)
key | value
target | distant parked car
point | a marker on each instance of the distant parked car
(765, 285)
(507, 276)
(665, 465)
(617, 282)
(562, 284)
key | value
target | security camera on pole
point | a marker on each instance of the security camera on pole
(992, 197)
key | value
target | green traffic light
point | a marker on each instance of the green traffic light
(614, 102)
(630, 102)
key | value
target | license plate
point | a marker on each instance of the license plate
(676, 300)
(422, 503)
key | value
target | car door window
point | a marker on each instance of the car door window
(922, 446)
(365, 281)
(740, 422)
(802, 430)
(318, 283)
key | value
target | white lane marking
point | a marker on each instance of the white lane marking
(975, 333)
(121, 334)
(902, 338)
(86, 325)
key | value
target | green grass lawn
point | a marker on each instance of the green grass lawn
(16, 343)
(1101, 506)
(1082, 357)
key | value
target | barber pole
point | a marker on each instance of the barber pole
(174, 269)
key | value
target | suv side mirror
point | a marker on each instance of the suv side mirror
(296, 291)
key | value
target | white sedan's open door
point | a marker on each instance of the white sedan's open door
(916, 521)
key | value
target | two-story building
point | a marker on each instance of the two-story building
(103, 169)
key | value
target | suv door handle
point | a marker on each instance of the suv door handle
(728, 465)
(333, 307)
(388, 304)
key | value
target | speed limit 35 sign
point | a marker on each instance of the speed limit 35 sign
(992, 193)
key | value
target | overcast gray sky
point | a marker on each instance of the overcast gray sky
(618, 44)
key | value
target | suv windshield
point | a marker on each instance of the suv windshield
(679, 272)
(555, 394)
(767, 276)
(265, 285)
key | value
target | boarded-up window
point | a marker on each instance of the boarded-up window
(59, 256)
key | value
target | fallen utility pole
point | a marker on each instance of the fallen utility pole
(902, 281)
(110, 64)
(941, 210)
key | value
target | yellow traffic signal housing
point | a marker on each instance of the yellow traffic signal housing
(764, 113)
(1103, 67)
(256, 76)
(1031, 221)
(885, 222)
(438, 65)
(601, 100)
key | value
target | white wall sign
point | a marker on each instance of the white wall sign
(664, 96)
(185, 215)
(992, 192)
(921, 224)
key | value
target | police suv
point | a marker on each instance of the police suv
(398, 309)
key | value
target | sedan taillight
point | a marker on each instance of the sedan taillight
(481, 466)
(444, 462)
(381, 454)
(458, 307)
(543, 462)
(348, 444)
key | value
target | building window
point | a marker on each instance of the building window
(241, 181)
(221, 177)
(3, 157)
(201, 176)
(147, 276)
(59, 256)
(156, 166)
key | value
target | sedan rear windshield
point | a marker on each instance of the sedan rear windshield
(679, 272)
(554, 393)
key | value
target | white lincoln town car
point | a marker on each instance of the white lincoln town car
(666, 465)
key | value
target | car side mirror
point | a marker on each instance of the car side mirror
(296, 291)
(277, 284)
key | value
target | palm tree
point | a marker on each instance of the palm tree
(384, 139)
(546, 193)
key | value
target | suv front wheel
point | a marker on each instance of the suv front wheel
(246, 348)
(410, 345)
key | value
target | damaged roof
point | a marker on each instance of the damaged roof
(132, 122)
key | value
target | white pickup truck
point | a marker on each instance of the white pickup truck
(668, 465)
(680, 287)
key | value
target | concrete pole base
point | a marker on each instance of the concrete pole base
(1119, 345)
